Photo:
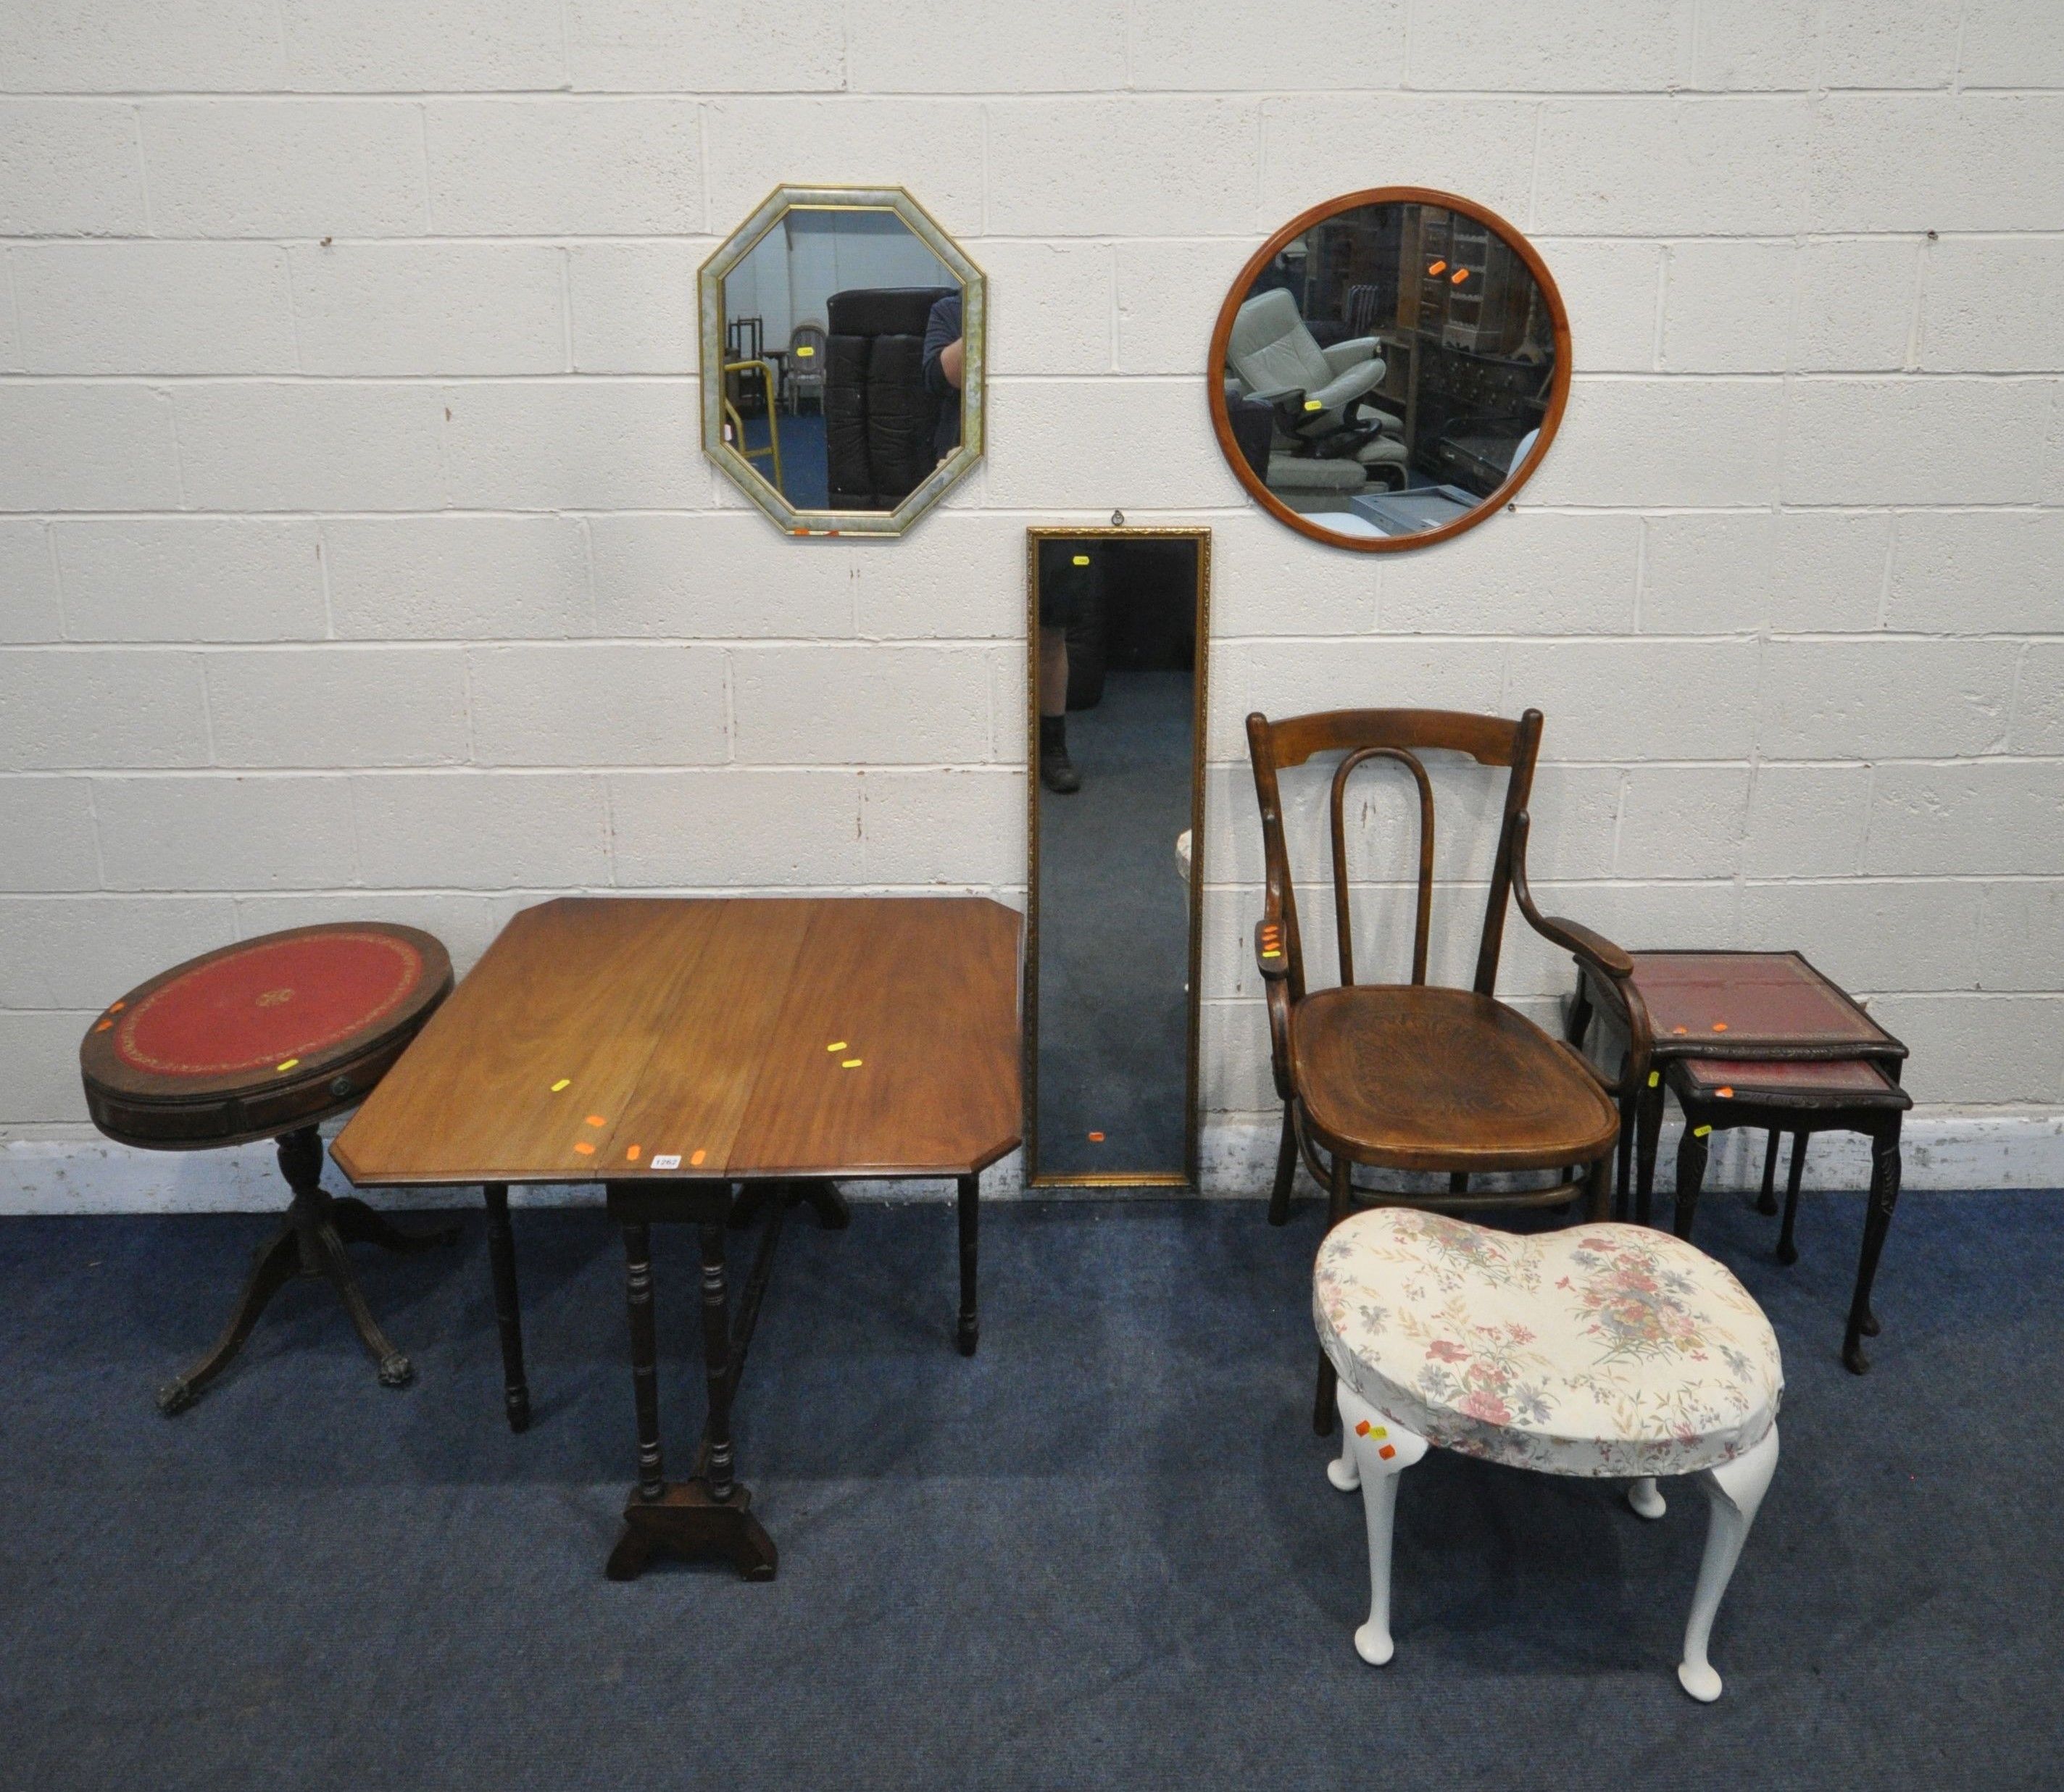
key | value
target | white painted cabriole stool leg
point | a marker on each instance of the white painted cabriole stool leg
(1735, 1489)
(1645, 1499)
(1375, 1451)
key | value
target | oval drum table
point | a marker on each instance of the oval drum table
(267, 1039)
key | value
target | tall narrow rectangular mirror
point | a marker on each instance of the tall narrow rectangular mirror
(1118, 622)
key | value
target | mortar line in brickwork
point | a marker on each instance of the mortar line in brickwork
(1953, 90)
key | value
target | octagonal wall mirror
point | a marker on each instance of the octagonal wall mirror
(1389, 368)
(842, 356)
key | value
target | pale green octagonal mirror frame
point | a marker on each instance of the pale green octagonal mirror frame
(784, 262)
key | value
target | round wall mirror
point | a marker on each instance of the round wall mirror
(1389, 368)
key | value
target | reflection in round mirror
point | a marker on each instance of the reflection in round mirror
(1389, 368)
(842, 359)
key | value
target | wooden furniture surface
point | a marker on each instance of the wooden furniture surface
(266, 1039)
(1752, 1005)
(1676, 1005)
(1419, 1076)
(622, 1039)
(1408, 1076)
(669, 1049)
(260, 1037)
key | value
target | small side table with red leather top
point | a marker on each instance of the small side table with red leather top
(267, 1039)
(1770, 1006)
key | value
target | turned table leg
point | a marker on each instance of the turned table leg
(967, 1201)
(1877, 1223)
(508, 1311)
(711, 1513)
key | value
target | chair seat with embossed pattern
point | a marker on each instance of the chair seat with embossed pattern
(1417, 1077)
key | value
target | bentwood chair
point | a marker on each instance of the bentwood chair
(1416, 1078)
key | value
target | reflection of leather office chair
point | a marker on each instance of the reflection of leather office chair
(807, 357)
(1412, 1077)
(1318, 395)
(879, 418)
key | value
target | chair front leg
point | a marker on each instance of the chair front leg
(1286, 1171)
(1376, 1450)
(1735, 1489)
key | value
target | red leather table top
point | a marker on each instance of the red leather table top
(265, 1030)
(1831, 1081)
(267, 1002)
(1752, 1004)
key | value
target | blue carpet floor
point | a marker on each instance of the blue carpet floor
(1102, 1553)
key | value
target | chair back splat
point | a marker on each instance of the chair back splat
(1400, 736)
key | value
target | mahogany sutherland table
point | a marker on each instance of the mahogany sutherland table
(669, 1048)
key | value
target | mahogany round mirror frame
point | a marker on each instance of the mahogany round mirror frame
(1446, 357)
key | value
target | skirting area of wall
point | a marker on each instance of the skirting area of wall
(72, 1170)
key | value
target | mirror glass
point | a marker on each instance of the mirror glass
(1390, 369)
(842, 359)
(1118, 627)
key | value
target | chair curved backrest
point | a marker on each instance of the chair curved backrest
(809, 336)
(1271, 349)
(1397, 735)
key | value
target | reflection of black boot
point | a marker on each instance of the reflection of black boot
(1057, 772)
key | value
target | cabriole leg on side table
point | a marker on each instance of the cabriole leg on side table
(1766, 1200)
(1877, 1223)
(508, 1311)
(1374, 1452)
(1787, 1247)
(276, 1263)
(1736, 1490)
(1691, 1173)
(393, 1368)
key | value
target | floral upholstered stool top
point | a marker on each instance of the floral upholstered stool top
(1601, 1349)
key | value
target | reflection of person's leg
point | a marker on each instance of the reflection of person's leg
(1057, 772)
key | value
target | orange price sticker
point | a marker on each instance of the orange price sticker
(582, 1146)
(634, 1152)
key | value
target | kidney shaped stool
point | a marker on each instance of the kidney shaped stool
(267, 1039)
(1600, 1350)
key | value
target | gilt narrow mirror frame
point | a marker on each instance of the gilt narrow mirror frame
(1222, 337)
(1187, 1175)
(974, 296)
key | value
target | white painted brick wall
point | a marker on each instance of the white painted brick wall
(358, 556)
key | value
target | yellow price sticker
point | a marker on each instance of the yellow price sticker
(1081, 560)
(804, 351)
(1313, 405)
